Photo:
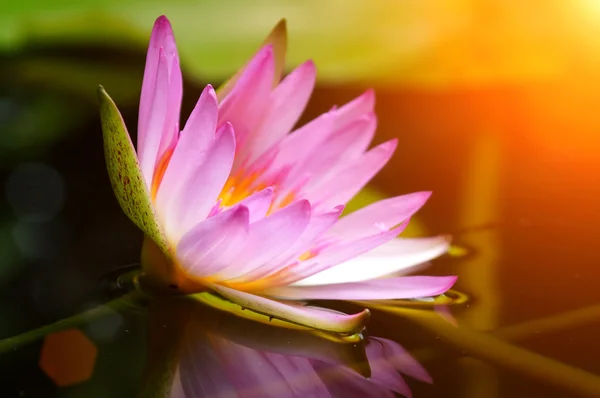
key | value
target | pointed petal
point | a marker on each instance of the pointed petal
(160, 99)
(214, 243)
(318, 224)
(377, 289)
(263, 374)
(342, 187)
(397, 255)
(278, 40)
(268, 238)
(311, 317)
(304, 141)
(286, 103)
(161, 38)
(338, 150)
(402, 361)
(343, 382)
(355, 108)
(258, 203)
(332, 256)
(125, 173)
(379, 216)
(203, 119)
(244, 106)
(201, 189)
(385, 374)
(174, 97)
(151, 137)
(193, 145)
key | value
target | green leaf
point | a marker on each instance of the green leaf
(125, 173)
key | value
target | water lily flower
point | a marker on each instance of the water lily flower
(238, 204)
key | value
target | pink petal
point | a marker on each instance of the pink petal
(379, 216)
(446, 314)
(378, 289)
(244, 105)
(201, 188)
(379, 348)
(357, 107)
(332, 255)
(342, 187)
(282, 340)
(268, 238)
(311, 317)
(258, 203)
(203, 119)
(264, 374)
(161, 38)
(318, 224)
(396, 255)
(340, 148)
(214, 243)
(384, 373)
(174, 97)
(177, 390)
(201, 371)
(286, 103)
(192, 147)
(304, 141)
(156, 118)
(160, 99)
(343, 382)
(299, 375)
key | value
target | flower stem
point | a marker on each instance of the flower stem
(127, 302)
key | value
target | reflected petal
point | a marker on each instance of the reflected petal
(220, 355)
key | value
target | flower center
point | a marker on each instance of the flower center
(242, 184)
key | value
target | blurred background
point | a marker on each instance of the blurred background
(493, 101)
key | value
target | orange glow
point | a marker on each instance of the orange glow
(68, 357)
(245, 183)
(239, 186)
(159, 171)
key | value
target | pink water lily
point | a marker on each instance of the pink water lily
(217, 365)
(239, 204)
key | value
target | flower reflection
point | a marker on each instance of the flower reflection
(215, 354)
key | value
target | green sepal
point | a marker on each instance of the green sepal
(125, 173)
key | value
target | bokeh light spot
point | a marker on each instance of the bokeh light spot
(68, 357)
(35, 191)
(40, 240)
(105, 328)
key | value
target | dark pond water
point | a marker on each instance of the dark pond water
(521, 202)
